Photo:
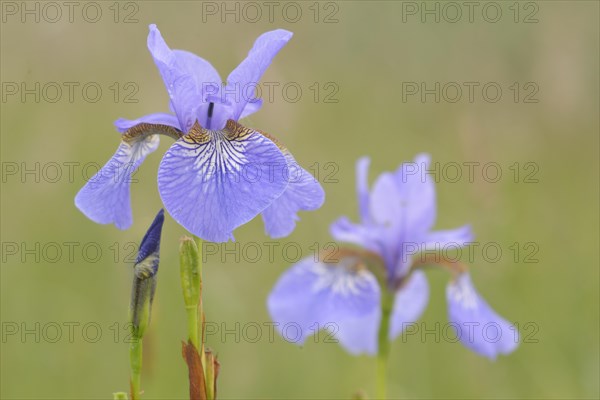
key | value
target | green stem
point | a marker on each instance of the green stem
(135, 361)
(383, 352)
(199, 312)
(193, 328)
(381, 378)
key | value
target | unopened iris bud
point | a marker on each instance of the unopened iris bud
(144, 279)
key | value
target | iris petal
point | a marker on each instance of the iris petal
(417, 194)
(105, 198)
(214, 181)
(303, 192)
(409, 303)
(447, 239)
(187, 77)
(246, 76)
(251, 108)
(436, 241)
(366, 236)
(387, 205)
(207, 83)
(362, 188)
(477, 325)
(123, 124)
(338, 297)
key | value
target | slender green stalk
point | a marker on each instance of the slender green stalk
(191, 280)
(381, 384)
(383, 352)
(193, 329)
(135, 360)
(199, 324)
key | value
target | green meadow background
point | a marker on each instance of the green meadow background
(64, 314)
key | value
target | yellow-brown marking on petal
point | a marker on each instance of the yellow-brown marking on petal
(274, 140)
(197, 135)
(143, 130)
(233, 131)
(433, 260)
(234, 126)
(336, 254)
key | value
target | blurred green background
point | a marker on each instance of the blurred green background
(367, 50)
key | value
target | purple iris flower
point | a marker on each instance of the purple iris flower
(343, 293)
(218, 174)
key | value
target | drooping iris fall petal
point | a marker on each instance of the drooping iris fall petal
(476, 324)
(341, 297)
(105, 198)
(211, 182)
(302, 193)
(409, 303)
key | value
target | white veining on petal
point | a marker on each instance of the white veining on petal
(143, 147)
(218, 155)
(214, 181)
(340, 278)
(463, 293)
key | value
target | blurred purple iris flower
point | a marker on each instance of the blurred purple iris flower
(344, 295)
(218, 174)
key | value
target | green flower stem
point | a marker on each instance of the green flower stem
(135, 360)
(383, 345)
(193, 329)
(191, 281)
(199, 309)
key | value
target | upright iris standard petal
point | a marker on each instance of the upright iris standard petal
(387, 206)
(409, 303)
(418, 193)
(388, 211)
(400, 208)
(242, 81)
(188, 78)
(477, 325)
(211, 182)
(207, 83)
(303, 192)
(251, 108)
(343, 298)
(105, 198)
